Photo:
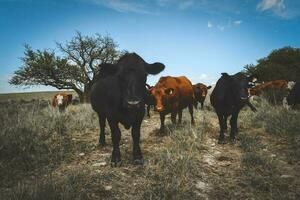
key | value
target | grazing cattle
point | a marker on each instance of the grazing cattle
(61, 100)
(275, 85)
(293, 97)
(172, 95)
(200, 91)
(149, 100)
(228, 97)
(119, 96)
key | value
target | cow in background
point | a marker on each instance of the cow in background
(119, 96)
(228, 98)
(293, 97)
(61, 100)
(172, 95)
(200, 91)
(149, 99)
(275, 85)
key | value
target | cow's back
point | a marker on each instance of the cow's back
(183, 88)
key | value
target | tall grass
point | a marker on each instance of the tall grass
(32, 137)
(176, 163)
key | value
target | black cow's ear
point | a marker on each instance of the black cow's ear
(147, 86)
(155, 68)
(208, 87)
(225, 74)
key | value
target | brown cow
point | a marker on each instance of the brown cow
(277, 85)
(200, 91)
(61, 100)
(172, 95)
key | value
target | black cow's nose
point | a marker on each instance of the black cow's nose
(133, 103)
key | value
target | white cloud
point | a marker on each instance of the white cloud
(204, 78)
(122, 6)
(185, 4)
(209, 24)
(270, 4)
(276, 6)
(238, 22)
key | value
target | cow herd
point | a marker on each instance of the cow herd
(120, 94)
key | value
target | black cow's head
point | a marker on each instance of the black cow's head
(132, 72)
(239, 84)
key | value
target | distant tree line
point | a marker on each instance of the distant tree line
(281, 63)
(76, 67)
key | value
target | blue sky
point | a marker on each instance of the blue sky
(196, 38)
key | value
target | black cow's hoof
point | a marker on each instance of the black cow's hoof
(116, 163)
(232, 140)
(221, 141)
(138, 161)
(102, 144)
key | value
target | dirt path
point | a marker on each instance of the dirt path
(223, 174)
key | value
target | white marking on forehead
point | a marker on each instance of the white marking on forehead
(59, 99)
(291, 84)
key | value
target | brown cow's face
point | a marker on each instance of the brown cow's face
(163, 97)
(200, 91)
(60, 100)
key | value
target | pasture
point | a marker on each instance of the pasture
(45, 154)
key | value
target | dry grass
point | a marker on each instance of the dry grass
(39, 157)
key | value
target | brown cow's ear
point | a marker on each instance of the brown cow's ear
(154, 68)
(169, 91)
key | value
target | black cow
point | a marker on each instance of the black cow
(293, 97)
(228, 97)
(119, 96)
(150, 100)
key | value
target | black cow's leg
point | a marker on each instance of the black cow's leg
(173, 117)
(179, 116)
(225, 123)
(137, 154)
(162, 122)
(233, 125)
(148, 111)
(102, 130)
(115, 136)
(202, 105)
(222, 128)
(191, 110)
(196, 104)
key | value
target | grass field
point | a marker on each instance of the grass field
(28, 96)
(45, 154)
